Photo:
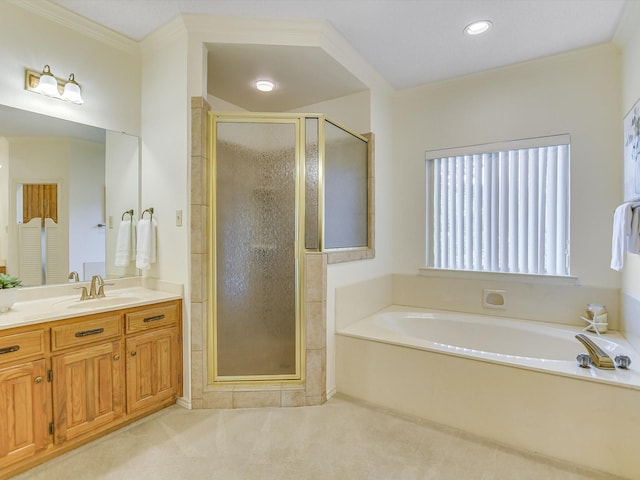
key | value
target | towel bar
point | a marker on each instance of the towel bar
(148, 210)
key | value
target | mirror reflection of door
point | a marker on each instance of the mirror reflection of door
(42, 254)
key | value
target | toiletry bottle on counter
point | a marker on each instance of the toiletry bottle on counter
(598, 313)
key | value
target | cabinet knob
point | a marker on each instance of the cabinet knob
(116, 357)
(38, 380)
(133, 354)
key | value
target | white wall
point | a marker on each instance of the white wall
(353, 111)
(630, 96)
(105, 64)
(165, 153)
(576, 93)
(165, 147)
(220, 105)
(122, 177)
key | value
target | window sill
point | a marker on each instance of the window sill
(500, 277)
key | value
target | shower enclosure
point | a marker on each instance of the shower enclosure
(282, 184)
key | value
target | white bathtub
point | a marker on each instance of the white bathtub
(512, 381)
(533, 345)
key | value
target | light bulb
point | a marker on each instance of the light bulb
(72, 91)
(47, 85)
(476, 28)
(265, 85)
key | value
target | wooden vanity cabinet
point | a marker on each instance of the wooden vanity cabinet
(66, 382)
(87, 375)
(24, 396)
(153, 356)
(88, 389)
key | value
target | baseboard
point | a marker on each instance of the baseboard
(331, 393)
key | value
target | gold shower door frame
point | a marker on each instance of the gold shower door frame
(212, 332)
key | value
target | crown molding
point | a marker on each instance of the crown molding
(171, 32)
(78, 23)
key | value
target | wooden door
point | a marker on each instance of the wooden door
(153, 368)
(24, 421)
(88, 389)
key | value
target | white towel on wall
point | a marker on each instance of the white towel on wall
(146, 243)
(626, 225)
(633, 244)
(125, 243)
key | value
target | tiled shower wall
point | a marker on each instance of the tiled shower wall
(310, 391)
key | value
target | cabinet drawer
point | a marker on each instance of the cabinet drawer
(85, 331)
(154, 317)
(21, 345)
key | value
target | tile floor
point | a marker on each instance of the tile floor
(341, 440)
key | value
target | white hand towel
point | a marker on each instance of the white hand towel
(125, 243)
(633, 245)
(622, 239)
(146, 243)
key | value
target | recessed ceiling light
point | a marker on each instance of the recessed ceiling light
(265, 85)
(476, 28)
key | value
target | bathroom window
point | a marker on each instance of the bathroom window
(500, 208)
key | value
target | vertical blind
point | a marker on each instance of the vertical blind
(503, 211)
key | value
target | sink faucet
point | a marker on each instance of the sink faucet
(73, 276)
(95, 291)
(97, 287)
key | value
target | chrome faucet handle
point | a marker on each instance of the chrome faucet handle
(622, 361)
(83, 294)
(584, 360)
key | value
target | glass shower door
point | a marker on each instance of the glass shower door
(256, 313)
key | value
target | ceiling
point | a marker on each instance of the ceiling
(303, 76)
(409, 42)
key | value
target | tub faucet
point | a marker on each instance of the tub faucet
(598, 357)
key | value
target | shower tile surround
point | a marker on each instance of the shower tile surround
(312, 391)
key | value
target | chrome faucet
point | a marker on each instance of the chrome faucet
(97, 287)
(73, 276)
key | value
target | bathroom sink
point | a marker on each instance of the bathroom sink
(108, 301)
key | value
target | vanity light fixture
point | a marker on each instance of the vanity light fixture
(45, 83)
(477, 28)
(265, 85)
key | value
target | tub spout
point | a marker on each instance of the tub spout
(598, 357)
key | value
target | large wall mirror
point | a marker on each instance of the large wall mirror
(64, 190)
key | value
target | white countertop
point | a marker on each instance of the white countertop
(44, 304)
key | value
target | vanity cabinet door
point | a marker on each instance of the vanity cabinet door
(24, 417)
(154, 366)
(88, 389)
